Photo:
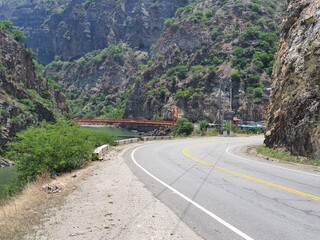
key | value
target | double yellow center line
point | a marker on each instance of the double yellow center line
(244, 176)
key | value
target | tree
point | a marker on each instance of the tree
(203, 125)
(183, 127)
(52, 148)
(235, 76)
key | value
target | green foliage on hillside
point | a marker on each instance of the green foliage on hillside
(233, 40)
(244, 36)
(109, 102)
(17, 35)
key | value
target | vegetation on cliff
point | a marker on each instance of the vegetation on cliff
(15, 34)
(25, 97)
(207, 48)
(204, 49)
(99, 83)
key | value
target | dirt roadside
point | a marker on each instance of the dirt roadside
(109, 202)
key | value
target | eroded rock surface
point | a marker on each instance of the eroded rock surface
(294, 109)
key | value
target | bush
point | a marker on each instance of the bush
(168, 22)
(52, 148)
(213, 132)
(235, 76)
(203, 125)
(183, 127)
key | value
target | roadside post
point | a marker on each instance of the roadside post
(229, 116)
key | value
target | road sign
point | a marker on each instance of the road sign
(228, 115)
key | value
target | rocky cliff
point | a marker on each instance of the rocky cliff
(25, 98)
(70, 28)
(209, 50)
(294, 108)
(99, 83)
(193, 54)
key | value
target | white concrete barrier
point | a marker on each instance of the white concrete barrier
(101, 150)
(150, 138)
(127, 141)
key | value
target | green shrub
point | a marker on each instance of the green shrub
(52, 148)
(203, 125)
(181, 71)
(213, 132)
(226, 127)
(27, 104)
(258, 92)
(235, 76)
(168, 22)
(14, 33)
(183, 127)
(184, 93)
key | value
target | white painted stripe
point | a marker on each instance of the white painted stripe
(268, 164)
(215, 217)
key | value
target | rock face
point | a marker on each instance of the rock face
(99, 83)
(293, 119)
(206, 50)
(70, 28)
(194, 53)
(25, 98)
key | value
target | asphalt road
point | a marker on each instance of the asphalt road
(224, 196)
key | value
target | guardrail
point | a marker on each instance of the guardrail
(127, 141)
(102, 149)
(124, 121)
(150, 138)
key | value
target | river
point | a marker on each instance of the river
(8, 174)
(118, 133)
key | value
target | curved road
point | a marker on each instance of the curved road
(223, 196)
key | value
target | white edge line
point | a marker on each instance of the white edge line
(215, 217)
(268, 164)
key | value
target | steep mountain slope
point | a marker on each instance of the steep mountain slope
(70, 28)
(193, 60)
(208, 46)
(99, 83)
(294, 109)
(25, 98)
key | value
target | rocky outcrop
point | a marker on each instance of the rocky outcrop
(99, 83)
(199, 51)
(69, 28)
(25, 98)
(208, 51)
(293, 119)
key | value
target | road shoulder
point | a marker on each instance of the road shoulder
(111, 203)
(250, 153)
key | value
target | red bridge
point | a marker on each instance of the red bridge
(123, 121)
(130, 121)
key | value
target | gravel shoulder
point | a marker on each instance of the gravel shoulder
(250, 152)
(109, 202)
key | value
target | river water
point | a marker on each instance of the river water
(8, 174)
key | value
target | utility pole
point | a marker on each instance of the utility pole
(220, 100)
(230, 109)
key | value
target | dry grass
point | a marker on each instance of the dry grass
(19, 215)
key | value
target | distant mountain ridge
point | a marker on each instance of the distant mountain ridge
(173, 53)
(70, 28)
